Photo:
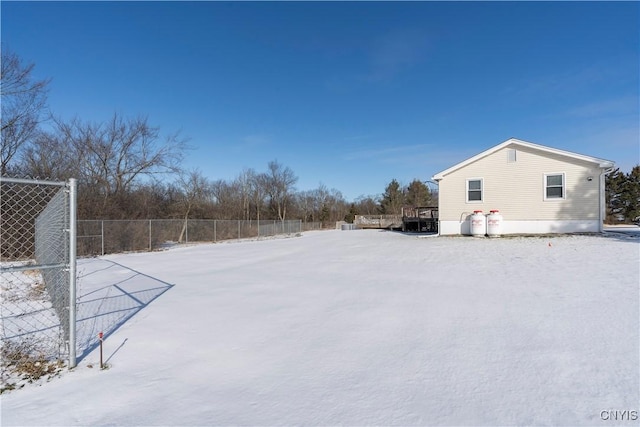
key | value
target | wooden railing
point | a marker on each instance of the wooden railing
(378, 221)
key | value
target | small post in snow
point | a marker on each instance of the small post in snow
(100, 335)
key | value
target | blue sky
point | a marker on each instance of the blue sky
(350, 95)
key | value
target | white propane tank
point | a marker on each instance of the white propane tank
(478, 224)
(494, 223)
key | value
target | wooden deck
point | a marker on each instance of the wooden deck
(413, 219)
(422, 219)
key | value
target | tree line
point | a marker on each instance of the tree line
(128, 169)
(623, 196)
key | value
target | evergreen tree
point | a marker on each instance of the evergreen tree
(623, 195)
(614, 186)
(325, 214)
(351, 215)
(392, 199)
(631, 195)
(418, 194)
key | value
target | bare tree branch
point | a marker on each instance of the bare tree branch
(279, 186)
(23, 101)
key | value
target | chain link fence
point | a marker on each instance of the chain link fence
(37, 278)
(40, 237)
(99, 237)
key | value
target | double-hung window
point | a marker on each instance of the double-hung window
(554, 186)
(474, 190)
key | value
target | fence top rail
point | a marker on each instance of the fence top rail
(27, 267)
(270, 221)
(4, 179)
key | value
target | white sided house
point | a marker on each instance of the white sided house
(536, 190)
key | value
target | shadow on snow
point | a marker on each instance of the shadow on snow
(110, 295)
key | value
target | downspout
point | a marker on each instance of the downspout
(603, 201)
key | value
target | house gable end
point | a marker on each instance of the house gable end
(537, 189)
(517, 143)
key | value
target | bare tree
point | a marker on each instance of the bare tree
(196, 191)
(227, 203)
(368, 205)
(23, 101)
(279, 186)
(306, 204)
(112, 156)
(47, 156)
(244, 183)
(338, 206)
(321, 204)
(258, 192)
(156, 200)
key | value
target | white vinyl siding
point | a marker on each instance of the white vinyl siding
(517, 188)
(554, 186)
(474, 190)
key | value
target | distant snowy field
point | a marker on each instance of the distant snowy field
(355, 328)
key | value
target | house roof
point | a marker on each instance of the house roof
(602, 163)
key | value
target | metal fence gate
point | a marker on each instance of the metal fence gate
(37, 278)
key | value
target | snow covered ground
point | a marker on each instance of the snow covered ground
(355, 328)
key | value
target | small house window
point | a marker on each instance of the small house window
(554, 186)
(511, 155)
(474, 190)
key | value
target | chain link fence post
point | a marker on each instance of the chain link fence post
(102, 235)
(72, 270)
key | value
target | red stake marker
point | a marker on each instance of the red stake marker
(100, 335)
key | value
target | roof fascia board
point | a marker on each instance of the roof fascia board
(590, 159)
(602, 163)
